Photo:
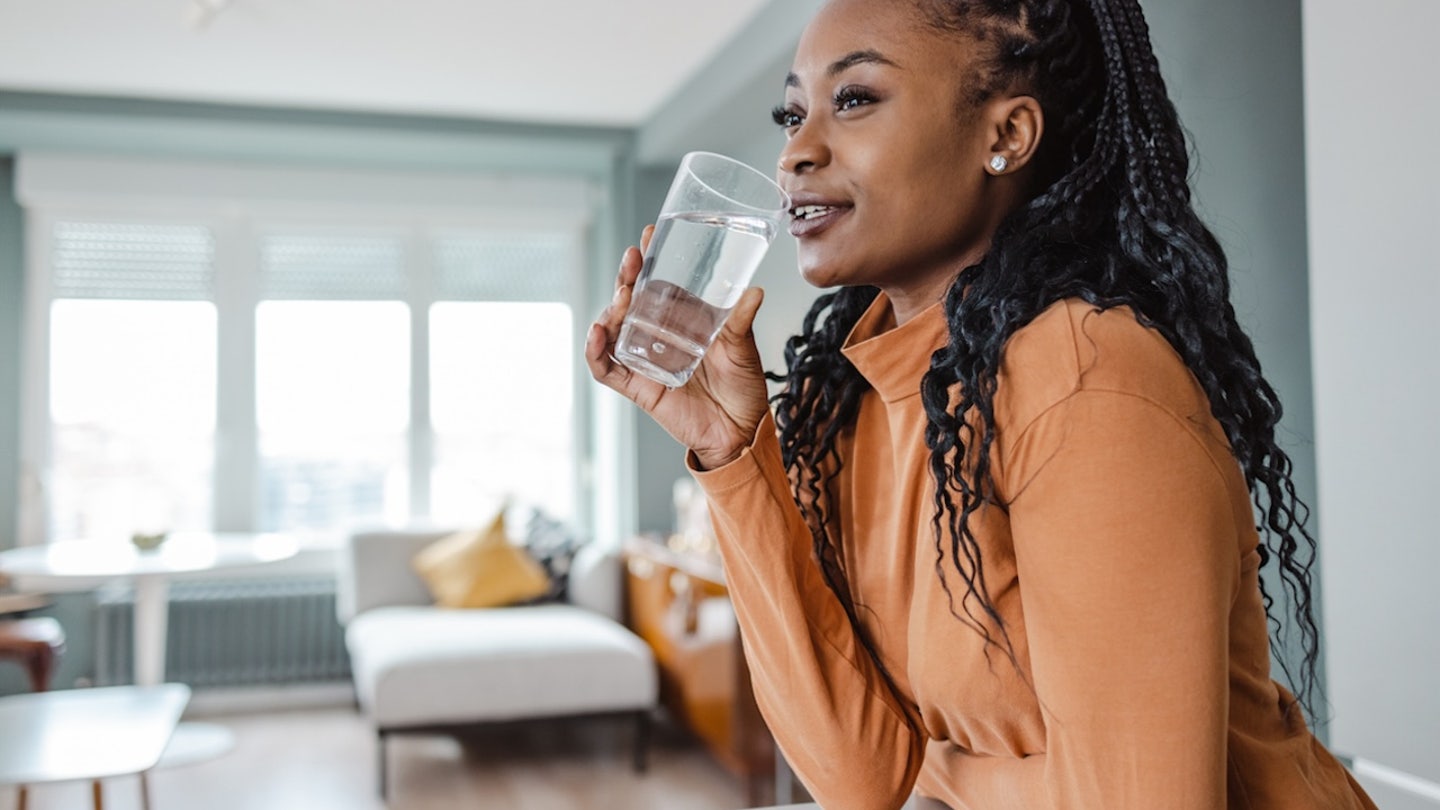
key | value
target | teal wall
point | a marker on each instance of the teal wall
(12, 298)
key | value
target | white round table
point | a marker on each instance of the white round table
(84, 564)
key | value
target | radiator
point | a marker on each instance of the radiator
(228, 634)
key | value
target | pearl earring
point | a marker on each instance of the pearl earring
(999, 163)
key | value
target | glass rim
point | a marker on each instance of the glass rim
(784, 197)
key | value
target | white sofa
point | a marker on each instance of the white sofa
(422, 668)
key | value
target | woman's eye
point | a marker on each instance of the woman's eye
(851, 97)
(787, 117)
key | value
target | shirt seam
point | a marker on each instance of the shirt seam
(1181, 422)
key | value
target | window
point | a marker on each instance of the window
(132, 371)
(332, 369)
(502, 368)
(254, 366)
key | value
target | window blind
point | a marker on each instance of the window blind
(332, 268)
(129, 261)
(499, 267)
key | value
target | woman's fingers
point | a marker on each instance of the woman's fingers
(599, 357)
(614, 312)
(613, 315)
(605, 331)
(630, 263)
(633, 259)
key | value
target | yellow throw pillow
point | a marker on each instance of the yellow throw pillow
(477, 569)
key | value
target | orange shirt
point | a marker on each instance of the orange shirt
(1125, 568)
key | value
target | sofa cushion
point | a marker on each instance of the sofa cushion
(480, 569)
(553, 545)
(419, 666)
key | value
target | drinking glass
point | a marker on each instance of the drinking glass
(718, 219)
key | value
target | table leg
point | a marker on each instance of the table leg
(152, 595)
(191, 742)
(98, 795)
(144, 790)
(24, 801)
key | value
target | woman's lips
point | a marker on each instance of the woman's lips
(809, 220)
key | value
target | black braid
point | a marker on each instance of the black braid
(1110, 222)
(821, 401)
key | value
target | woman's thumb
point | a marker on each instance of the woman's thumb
(743, 316)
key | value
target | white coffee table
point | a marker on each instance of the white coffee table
(88, 734)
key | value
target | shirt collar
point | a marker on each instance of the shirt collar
(893, 358)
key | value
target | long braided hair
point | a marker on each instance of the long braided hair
(1111, 223)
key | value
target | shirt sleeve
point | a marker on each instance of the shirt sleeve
(1126, 546)
(840, 726)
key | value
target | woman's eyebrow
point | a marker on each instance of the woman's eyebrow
(844, 63)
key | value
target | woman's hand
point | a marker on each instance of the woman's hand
(716, 413)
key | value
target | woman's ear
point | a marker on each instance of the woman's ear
(1018, 124)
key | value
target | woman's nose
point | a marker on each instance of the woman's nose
(805, 151)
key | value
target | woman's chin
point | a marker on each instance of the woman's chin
(821, 274)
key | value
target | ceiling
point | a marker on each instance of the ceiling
(584, 62)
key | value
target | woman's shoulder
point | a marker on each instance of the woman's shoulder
(1074, 346)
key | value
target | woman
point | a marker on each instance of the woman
(997, 545)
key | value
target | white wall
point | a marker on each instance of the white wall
(1372, 116)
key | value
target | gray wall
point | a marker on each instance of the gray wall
(1372, 115)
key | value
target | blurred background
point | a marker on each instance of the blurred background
(303, 266)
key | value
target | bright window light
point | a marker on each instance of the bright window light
(132, 403)
(501, 407)
(333, 406)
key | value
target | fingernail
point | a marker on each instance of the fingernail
(618, 290)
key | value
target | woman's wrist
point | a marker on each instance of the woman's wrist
(714, 460)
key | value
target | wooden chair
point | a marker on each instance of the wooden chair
(36, 643)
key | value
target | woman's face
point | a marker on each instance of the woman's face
(886, 164)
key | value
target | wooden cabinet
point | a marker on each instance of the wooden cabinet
(678, 603)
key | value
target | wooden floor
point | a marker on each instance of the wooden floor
(325, 759)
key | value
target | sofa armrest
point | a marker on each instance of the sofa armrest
(597, 580)
(375, 571)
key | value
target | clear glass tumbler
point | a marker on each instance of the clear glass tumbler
(717, 222)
